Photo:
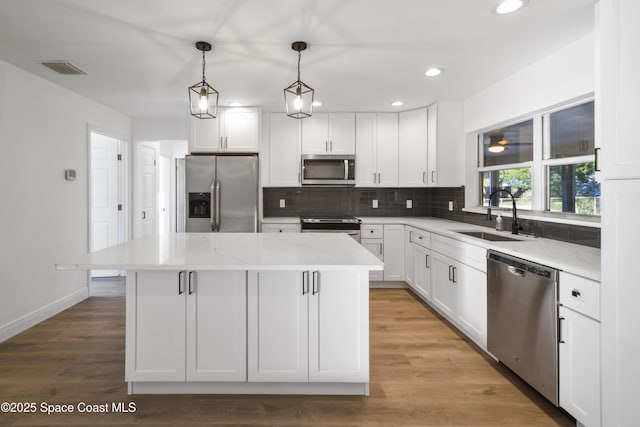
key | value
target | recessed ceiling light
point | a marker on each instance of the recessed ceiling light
(316, 103)
(235, 104)
(397, 103)
(432, 72)
(510, 6)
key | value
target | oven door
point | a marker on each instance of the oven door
(328, 170)
(355, 234)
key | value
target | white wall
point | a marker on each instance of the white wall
(43, 218)
(566, 75)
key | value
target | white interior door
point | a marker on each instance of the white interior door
(105, 198)
(164, 195)
(147, 190)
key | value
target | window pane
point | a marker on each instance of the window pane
(516, 181)
(508, 145)
(573, 188)
(572, 131)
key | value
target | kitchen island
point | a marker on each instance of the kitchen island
(244, 313)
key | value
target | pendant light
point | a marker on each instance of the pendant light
(203, 98)
(298, 97)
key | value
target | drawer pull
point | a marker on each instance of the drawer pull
(575, 293)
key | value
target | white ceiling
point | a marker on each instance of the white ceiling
(363, 54)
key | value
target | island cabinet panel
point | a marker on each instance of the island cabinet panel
(216, 326)
(156, 322)
(277, 329)
(186, 326)
(309, 326)
(339, 327)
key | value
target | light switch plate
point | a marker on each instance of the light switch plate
(450, 205)
(282, 203)
(409, 204)
(375, 204)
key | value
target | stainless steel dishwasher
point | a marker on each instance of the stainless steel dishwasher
(522, 320)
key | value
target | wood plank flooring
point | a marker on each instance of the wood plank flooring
(423, 373)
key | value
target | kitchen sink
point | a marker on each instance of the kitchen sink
(489, 236)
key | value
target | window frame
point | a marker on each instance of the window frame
(539, 166)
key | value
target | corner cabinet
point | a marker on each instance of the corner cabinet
(377, 149)
(186, 326)
(235, 130)
(308, 326)
(325, 133)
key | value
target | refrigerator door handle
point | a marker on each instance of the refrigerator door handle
(213, 205)
(218, 199)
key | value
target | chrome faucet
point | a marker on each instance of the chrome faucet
(515, 227)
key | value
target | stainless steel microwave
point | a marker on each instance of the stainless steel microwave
(328, 169)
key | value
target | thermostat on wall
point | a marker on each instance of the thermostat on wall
(70, 174)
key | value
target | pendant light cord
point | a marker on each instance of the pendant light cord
(298, 66)
(203, 67)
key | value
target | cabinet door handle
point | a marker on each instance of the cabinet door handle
(326, 146)
(374, 177)
(380, 248)
(316, 282)
(192, 282)
(298, 177)
(597, 161)
(560, 340)
(424, 174)
(433, 179)
(575, 293)
(144, 215)
(379, 178)
(426, 260)
(411, 236)
(455, 279)
(181, 275)
(221, 143)
(305, 282)
(331, 146)
(226, 142)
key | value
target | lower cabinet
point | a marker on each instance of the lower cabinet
(186, 326)
(422, 264)
(393, 248)
(308, 326)
(443, 286)
(376, 247)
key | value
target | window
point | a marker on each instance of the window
(507, 156)
(546, 162)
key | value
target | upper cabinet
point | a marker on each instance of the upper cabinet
(325, 133)
(234, 130)
(431, 146)
(377, 150)
(281, 159)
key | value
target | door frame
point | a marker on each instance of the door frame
(123, 184)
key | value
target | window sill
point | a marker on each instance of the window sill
(569, 219)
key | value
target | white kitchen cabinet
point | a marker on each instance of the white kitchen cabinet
(408, 256)
(412, 148)
(422, 263)
(443, 284)
(186, 326)
(281, 228)
(579, 348)
(393, 248)
(471, 301)
(376, 247)
(308, 327)
(235, 130)
(579, 366)
(445, 145)
(283, 151)
(325, 133)
(277, 327)
(377, 150)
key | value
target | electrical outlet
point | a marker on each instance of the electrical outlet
(282, 203)
(409, 204)
(450, 205)
(375, 204)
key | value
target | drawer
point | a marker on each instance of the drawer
(280, 228)
(371, 231)
(580, 294)
(422, 238)
(471, 255)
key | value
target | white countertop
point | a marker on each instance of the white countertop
(232, 251)
(281, 220)
(576, 259)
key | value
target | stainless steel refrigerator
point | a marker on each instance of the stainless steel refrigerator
(221, 193)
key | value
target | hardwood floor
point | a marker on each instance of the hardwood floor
(422, 373)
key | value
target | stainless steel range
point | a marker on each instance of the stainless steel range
(331, 224)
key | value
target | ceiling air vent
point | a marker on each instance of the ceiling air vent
(63, 67)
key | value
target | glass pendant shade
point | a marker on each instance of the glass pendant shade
(203, 98)
(298, 96)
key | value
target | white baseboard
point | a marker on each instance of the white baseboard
(393, 284)
(25, 322)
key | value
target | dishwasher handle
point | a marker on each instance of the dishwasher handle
(516, 271)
